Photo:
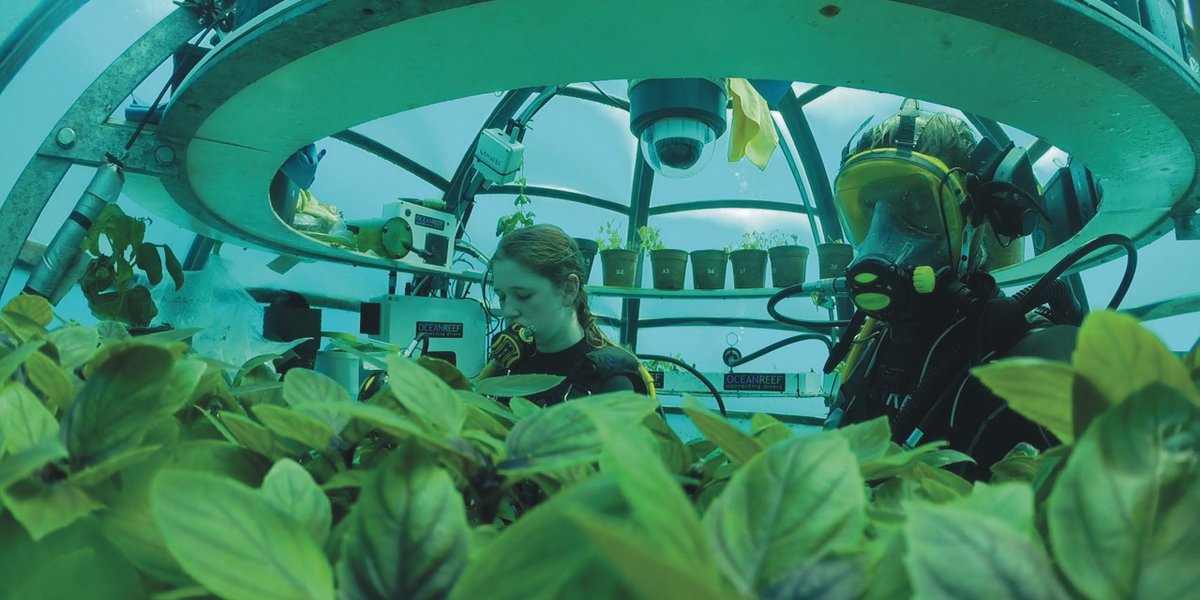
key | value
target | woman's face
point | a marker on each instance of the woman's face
(531, 300)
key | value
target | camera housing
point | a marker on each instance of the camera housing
(676, 122)
(498, 155)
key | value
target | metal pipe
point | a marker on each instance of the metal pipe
(47, 279)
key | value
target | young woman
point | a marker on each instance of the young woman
(537, 274)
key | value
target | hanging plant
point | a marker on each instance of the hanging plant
(109, 284)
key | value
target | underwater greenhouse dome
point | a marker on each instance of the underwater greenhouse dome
(653, 299)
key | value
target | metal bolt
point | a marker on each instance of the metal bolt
(164, 155)
(65, 137)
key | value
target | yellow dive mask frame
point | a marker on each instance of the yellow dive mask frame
(922, 188)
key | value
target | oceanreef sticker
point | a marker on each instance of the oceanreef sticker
(755, 382)
(440, 329)
(430, 222)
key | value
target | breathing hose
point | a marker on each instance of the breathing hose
(686, 367)
(734, 358)
(827, 286)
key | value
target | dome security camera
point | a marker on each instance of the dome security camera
(676, 121)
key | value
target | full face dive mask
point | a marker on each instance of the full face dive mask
(901, 210)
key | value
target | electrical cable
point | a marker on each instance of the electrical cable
(686, 367)
(803, 337)
(1034, 292)
(163, 92)
(795, 290)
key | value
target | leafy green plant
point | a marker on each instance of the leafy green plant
(521, 216)
(778, 238)
(610, 237)
(751, 240)
(649, 238)
(108, 283)
(136, 467)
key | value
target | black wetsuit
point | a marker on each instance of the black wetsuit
(953, 406)
(587, 370)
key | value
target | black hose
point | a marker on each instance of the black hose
(686, 367)
(795, 290)
(803, 337)
(1064, 308)
(1036, 291)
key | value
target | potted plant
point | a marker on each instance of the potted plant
(833, 257)
(669, 266)
(708, 269)
(788, 259)
(618, 261)
(749, 260)
(521, 216)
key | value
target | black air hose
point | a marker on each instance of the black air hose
(1057, 294)
(1034, 292)
(733, 362)
(930, 388)
(686, 367)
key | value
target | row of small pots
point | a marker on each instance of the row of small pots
(709, 266)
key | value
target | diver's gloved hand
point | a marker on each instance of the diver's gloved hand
(511, 345)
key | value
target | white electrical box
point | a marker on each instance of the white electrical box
(456, 329)
(497, 156)
(418, 235)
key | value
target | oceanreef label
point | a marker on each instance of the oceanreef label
(756, 382)
(439, 329)
(429, 222)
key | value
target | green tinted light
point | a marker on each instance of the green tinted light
(872, 301)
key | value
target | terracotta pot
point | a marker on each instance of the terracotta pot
(708, 269)
(832, 259)
(587, 248)
(669, 268)
(620, 267)
(749, 268)
(787, 265)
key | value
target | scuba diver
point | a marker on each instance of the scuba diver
(930, 211)
(537, 274)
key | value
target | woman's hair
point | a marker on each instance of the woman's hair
(551, 253)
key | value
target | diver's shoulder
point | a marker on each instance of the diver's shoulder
(1053, 342)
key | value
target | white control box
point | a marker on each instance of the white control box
(497, 156)
(456, 329)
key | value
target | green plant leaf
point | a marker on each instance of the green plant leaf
(174, 269)
(674, 454)
(292, 490)
(21, 465)
(117, 403)
(181, 388)
(989, 560)
(348, 479)
(35, 308)
(738, 446)
(76, 345)
(253, 436)
(562, 436)
(49, 379)
(12, 361)
(147, 259)
(408, 534)
(429, 398)
(1019, 464)
(646, 571)
(544, 554)
(234, 542)
(523, 408)
(45, 508)
(777, 513)
(659, 507)
(897, 461)
(295, 425)
(312, 389)
(107, 468)
(1122, 515)
(1038, 389)
(1120, 357)
(829, 579)
(517, 386)
(23, 418)
(448, 373)
(869, 440)
(768, 430)
(941, 458)
(494, 409)
(395, 424)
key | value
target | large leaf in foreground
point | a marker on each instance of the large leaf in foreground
(956, 552)
(1038, 389)
(738, 446)
(1122, 516)
(234, 542)
(117, 404)
(790, 506)
(23, 419)
(1119, 357)
(563, 436)
(408, 533)
(292, 490)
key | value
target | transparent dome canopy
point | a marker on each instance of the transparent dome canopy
(580, 171)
